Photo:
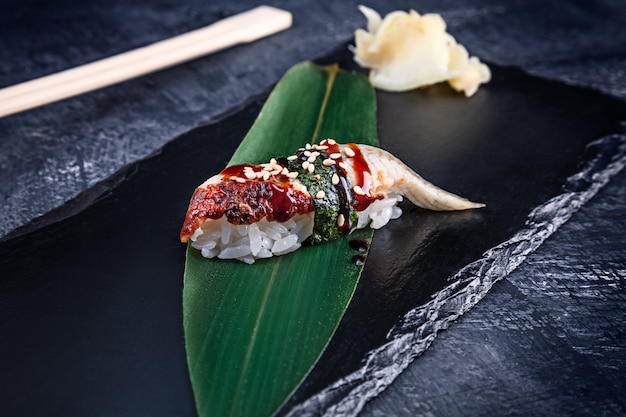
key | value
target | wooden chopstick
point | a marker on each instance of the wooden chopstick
(241, 28)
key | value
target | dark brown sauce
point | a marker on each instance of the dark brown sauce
(343, 193)
(342, 188)
(359, 259)
(235, 170)
(360, 244)
(363, 178)
(283, 203)
(361, 168)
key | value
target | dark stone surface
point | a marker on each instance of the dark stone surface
(561, 315)
(498, 359)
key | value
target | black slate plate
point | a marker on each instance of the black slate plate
(91, 305)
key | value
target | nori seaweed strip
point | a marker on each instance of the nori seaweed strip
(336, 200)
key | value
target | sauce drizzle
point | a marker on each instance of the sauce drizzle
(361, 171)
(360, 244)
(359, 259)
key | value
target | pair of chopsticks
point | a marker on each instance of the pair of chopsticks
(241, 28)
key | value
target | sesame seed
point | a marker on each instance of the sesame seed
(328, 162)
(259, 174)
(317, 176)
(267, 167)
(315, 153)
(292, 174)
(284, 171)
(335, 155)
(320, 194)
(358, 190)
(305, 165)
(343, 166)
(273, 161)
(331, 141)
(266, 175)
(250, 175)
(322, 147)
(335, 179)
(276, 171)
(341, 220)
(311, 168)
(349, 152)
(239, 179)
(307, 146)
(312, 158)
(307, 153)
(292, 157)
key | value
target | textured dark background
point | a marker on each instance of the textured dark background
(568, 297)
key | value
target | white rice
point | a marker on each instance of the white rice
(380, 212)
(263, 239)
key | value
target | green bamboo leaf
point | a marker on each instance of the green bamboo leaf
(253, 332)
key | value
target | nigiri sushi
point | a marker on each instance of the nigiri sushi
(316, 195)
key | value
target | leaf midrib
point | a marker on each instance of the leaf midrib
(332, 72)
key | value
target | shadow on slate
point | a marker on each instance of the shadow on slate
(91, 305)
